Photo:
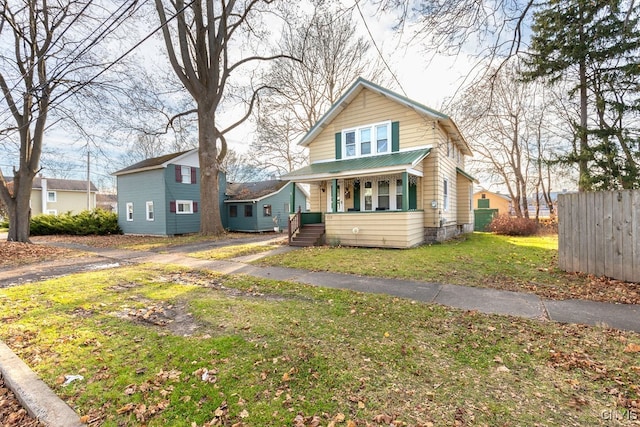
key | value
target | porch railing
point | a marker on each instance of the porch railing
(295, 221)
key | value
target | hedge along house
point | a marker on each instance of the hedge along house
(386, 171)
(262, 206)
(160, 196)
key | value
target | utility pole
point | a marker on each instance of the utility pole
(88, 183)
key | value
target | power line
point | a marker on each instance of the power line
(120, 58)
(384, 61)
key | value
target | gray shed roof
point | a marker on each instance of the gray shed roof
(63, 184)
(249, 191)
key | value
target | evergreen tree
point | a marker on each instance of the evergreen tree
(595, 44)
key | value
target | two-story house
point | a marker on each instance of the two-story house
(161, 196)
(386, 171)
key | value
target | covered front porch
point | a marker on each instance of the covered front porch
(375, 202)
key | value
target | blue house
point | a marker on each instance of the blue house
(262, 206)
(161, 196)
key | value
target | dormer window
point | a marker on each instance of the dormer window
(367, 140)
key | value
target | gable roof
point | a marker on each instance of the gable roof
(154, 163)
(361, 84)
(252, 191)
(391, 163)
(54, 184)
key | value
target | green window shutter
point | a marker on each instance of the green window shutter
(395, 136)
(338, 146)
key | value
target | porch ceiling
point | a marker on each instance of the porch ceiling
(402, 161)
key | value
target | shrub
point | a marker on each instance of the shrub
(94, 222)
(513, 226)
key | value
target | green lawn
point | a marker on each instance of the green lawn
(524, 264)
(269, 353)
(475, 259)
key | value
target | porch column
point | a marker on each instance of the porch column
(292, 201)
(405, 191)
(334, 195)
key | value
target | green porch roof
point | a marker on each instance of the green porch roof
(386, 163)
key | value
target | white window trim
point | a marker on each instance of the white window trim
(52, 212)
(373, 142)
(150, 210)
(129, 209)
(53, 199)
(188, 203)
(446, 194)
(374, 203)
(186, 178)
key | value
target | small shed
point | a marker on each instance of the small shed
(262, 206)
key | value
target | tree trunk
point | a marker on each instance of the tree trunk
(583, 166)
(19, 210)
(210, 218)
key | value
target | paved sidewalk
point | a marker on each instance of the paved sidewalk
(484, 300)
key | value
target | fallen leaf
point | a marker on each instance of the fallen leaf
(632, 348)
(126, 408)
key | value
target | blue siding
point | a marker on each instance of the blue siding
(240, 222)
(138, 189)
(280, 205)
(181, 223)
(224, 211)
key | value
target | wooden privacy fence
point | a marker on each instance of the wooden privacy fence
(599, 233)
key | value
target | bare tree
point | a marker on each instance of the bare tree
(508, 134)
(240, 168)
(333, 57)
(47, 57)
(494, 28)
(206, 45)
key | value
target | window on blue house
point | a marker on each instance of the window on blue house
(233, 211)
(150, 216)
(184, 206)
(129, 211)
(266, 210)
(248, 210)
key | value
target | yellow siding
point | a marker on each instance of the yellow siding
(465, 207)
(368, 108)
(375, 229)
(438, 166)
(66, 201)
(495, 201)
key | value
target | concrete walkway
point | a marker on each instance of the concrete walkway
(51, 410)
(484, 300)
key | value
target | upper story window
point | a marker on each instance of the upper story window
(52, 196)
(367, 140)
(186, 174)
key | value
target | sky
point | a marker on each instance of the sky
(426, 79)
